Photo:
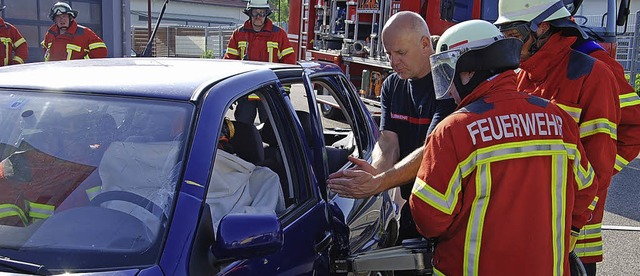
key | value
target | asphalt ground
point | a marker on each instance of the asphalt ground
(621, 224)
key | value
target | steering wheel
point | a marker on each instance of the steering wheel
(130, 197)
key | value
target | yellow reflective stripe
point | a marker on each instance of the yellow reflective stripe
(593, 204)
(18, 59)
(93, 192)
(596, 126)
(243, 45)
(442, 202)
(286, 52)
(271, 45)
(588, 249)
(6, 40)
(620, 163)
(9, 210)
(232, 51)
(97, 45)
(19, 42)
(629, 99)
(39, 210)
(590, 231)
(558, 210)
(437, 272)
(475, 226)
(445, 203)
(74, 47)
(573, 111)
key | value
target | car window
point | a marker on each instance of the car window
(88, 178)
(345, 129)
(257, 167)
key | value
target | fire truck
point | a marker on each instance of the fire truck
(348, 32)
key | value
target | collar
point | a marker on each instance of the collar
(503, 82)
(268, 26)
(73, 27)
(549, 56)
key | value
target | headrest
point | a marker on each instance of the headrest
(247, 142)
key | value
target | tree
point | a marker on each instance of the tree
(280, 10)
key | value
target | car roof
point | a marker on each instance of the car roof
(170, 78)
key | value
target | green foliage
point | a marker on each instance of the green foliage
(637, 82)
(207, 54)
(280, 10)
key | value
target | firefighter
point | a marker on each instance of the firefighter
(13, 47)
(504, 180)
(67, 40)
(581, 85)
(49, 165)
(258, 40)
(628, 144)
(409, 112)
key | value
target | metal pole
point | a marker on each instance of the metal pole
(149, 19)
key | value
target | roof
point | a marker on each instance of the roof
(170, 78)
(226, 3)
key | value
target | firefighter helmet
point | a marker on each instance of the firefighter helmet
(572, 5)
(531, 11)
(62, 8)
(257, 4)
(471, 46)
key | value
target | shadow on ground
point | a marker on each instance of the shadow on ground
(624, 192)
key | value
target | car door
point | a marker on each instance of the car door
(286, 155)
(370, 220)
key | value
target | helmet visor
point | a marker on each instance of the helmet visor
(443, 70)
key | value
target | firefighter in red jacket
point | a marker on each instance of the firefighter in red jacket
(504, 180)
(258, 40)
(67, 40)
(13, 47)
(629, 126)
(583, 86)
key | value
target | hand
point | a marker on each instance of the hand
(357, 182)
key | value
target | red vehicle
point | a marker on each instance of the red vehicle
(347, 32)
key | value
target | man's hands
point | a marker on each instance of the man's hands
(357, 182)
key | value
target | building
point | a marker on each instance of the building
(205, 13)
(104, 17)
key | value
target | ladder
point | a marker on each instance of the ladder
(304, 30)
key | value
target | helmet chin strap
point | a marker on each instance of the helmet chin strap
(465, 89)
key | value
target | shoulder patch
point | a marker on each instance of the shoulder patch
(538, 101)
(80, 30)
(275, 29)
(579, 65)
(479, 106)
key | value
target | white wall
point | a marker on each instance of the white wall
(182, 13)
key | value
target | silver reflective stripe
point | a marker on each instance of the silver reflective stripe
(629, 99)
(591, 231)
(573, 111)
(473, 239)
(443, 202)
(598, 126)
(589, 249)
(620, 163)
(558, 190)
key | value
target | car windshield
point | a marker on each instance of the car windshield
(88, 182)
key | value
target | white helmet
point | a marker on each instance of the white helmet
(471, 46)
(532, 11)
(257, 4)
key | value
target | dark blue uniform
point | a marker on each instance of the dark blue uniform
(410, 109)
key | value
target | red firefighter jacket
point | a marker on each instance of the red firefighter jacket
(629, 126)
(270, 44)
(503, 182)
(79, 42)
(34, 183)
(13, 47)
(586, 89)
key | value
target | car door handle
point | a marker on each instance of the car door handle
(323, 244)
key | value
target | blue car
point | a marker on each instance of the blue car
(138, 166)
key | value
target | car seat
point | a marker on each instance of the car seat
(247, 142)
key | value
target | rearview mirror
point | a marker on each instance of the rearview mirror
(623, 13)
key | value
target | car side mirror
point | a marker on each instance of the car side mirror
(244, 236)
(623, 13)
